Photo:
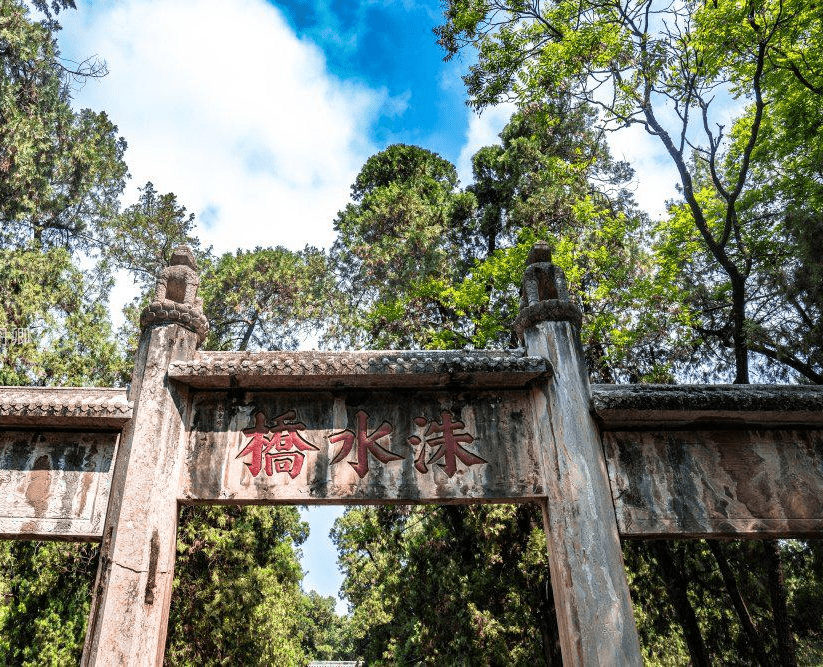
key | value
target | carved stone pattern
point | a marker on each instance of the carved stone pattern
(550, 310)
(166, 311)
(543, 281)
(64, 401)
(388, 363)
(716, 397)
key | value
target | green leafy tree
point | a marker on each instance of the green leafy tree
(54, 333)
(422, 264)
(237, 597)
(141, 238)
(266, 298)
(553, 178)
(61, 171)
(443, 585)
(396, 242)
(327, 636)
(662, 67)
(45, 601)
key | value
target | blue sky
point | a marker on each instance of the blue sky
(259, 115)
(391, 44)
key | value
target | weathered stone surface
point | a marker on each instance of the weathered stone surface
(553, 310)
(186, 315)
(370, 369)
(591, 593)
(175, 296)
(709, 483)
(649, 406)
(129, 613)
(71, 407)
(494, 456)
(55, 485)
(544, 295)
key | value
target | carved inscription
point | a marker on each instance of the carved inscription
(372, 446)
(445, 437)
(367, 443)
(278, 446)
(278, 443)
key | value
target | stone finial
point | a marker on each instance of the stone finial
(175, 300)
(544, 296)
(183, 256)
(541, 252)
(542, 280)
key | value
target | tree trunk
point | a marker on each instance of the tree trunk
(777, 593)
(249, 328)
(677, 588)
(741, 348)
(739, 604)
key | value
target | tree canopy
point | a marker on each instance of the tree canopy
(668, 68)
(727, 285)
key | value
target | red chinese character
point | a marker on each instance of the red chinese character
(288, 462)
(449, 447)
(276, 443)
(366, 443)
(285, 437)
(259, 443)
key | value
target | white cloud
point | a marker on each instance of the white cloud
(655, 173)
(224, 105)
(483, 130)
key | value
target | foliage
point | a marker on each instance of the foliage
(398, 237)
(327, 636)
(236, 597)
(422, 264)
(141, 238)
(61, 171)
(663, 66)
(43, 617)
(55, 333)
(726, 642)
(447, 585)
(552, 178)
(266, 298)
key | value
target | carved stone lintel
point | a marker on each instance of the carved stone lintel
(374, 368)
(72, 407)
(681, 406)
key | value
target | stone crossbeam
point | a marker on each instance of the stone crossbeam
(64, 407)
(373, 369)
(713, 460)
(57, 447)
(687, 406)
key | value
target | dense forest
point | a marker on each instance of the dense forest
(727, 287)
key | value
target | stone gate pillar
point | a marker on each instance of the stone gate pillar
(131, 595)
(591, 593)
